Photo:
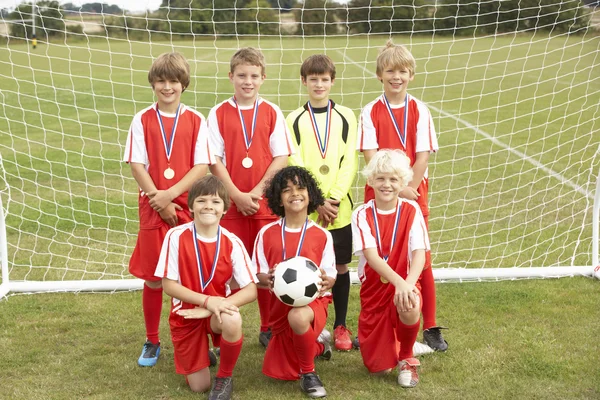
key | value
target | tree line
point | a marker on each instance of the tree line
(315, 17)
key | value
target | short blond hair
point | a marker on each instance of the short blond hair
(395, 56)
(248, 56)
(170, 66)
(389, 161)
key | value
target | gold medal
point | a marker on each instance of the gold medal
(247, 162)
(324, 169)
(169, 173)
(383, 280)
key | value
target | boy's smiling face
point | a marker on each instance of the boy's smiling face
(387, 187)
(294, 198)
(168, 93)
(208, 209)
(395, 80)
(247, 80)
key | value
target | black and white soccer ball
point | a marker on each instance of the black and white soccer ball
(297, 281)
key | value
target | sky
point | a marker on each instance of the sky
(131, 5)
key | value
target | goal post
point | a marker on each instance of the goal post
(513, 89)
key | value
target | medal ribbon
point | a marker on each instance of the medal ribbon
(168, 144)
(204, 283)
(323, 143)
(300, 243)
(247, 139)
(401, 134)
(378, 238)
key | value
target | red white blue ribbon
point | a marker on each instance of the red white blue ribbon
(247, 138)
(205, 282)
(401, 134)
(300, 242)
(168, 144)
(377, 235)
(322, 142)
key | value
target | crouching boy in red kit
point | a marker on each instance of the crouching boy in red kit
(390, 238)
(197, 264)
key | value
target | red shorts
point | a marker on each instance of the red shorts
(246, 229)
(190, 345)
(142, 263)
(379, 338)
(281, 361)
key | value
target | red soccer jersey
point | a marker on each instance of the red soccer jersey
(146, 145)
(179, 262)
(268, 251)
(270, 139)
(411, 235)
(377, 130)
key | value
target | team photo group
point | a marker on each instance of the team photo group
(241, 205)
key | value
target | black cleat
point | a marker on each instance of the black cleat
(434, 339)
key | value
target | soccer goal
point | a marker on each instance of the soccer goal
(514, 90)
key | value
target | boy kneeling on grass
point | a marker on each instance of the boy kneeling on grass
(198, 262)
(390, 238)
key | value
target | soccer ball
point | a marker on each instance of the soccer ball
(297, 281)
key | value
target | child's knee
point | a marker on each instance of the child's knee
(199, 382)
(410, 317)
(231, 323)
(300, 319)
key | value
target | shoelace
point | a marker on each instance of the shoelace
(219, 384)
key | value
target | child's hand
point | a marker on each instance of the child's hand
(194, 313)
(169, 214)
(160, 199)
(327, 282)
(409, 193)
(271, 276)
(405, 298)
(247, 203)
(218, 305)
(328, 212)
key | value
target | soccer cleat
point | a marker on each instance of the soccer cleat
(434, 339)
(325, 339)
(342, 339)
(149, 356)
(264, 338)
(312, 385)
(212, 357)
(222, 389)
(407, 375)
(355, 343)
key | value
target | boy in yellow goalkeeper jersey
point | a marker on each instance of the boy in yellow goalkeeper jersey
(325, 135)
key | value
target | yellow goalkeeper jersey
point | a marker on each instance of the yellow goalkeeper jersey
(328, 152)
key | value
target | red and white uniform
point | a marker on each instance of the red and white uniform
(178, 262)
(145, 146)
(281, 361)
(376, 131)
(378, 319)
(271, 139)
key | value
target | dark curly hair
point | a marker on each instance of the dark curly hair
(298, 176)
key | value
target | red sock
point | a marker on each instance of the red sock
(407, 335)
(428, 294)
(152, 306)
(230, 352)
(264, 307)
(306, 349)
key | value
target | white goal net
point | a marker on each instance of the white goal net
(513, 86)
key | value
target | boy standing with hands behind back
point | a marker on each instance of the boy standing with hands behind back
(396, 120)
(167, 149)
(251, 143)
(325, 137)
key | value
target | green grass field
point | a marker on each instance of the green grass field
(508, 340)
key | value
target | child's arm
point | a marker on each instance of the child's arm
(419, 168)
(405, 295)
(277, 163)
(144, 181)
(246, 203)
(160, 199)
